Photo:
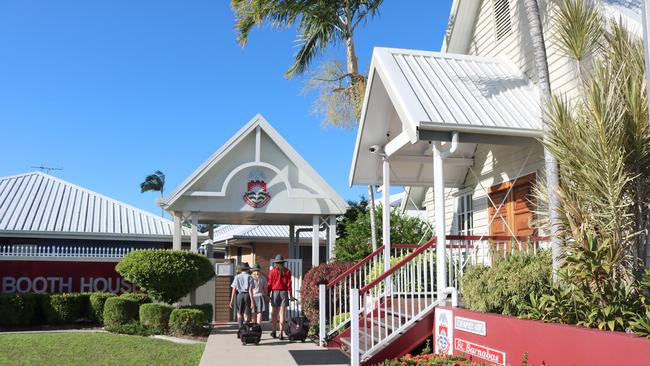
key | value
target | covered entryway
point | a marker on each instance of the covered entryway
(258, 180)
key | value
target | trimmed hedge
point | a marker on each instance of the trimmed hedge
(187, 322)
(68, 308)
(167, 275)
(155, 317)
(12, 311)
(206, 309)
(131, 328)
(120, 311)
(96, 306)
(139, 297)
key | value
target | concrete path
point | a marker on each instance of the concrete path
(224, 349)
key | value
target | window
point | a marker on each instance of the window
(464, 220)
(502, 22)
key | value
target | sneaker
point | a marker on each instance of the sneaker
(274, 335)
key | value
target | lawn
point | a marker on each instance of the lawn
(94, 348)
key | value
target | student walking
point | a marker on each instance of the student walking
(242, 292)
(260, 291)
(280, 286)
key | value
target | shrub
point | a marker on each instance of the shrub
(187, 322)
(309, 290)
(167, 275)
(96, 306)
(131, 328)
(207, 310)
(138, 297)
(155, 317)
(36, 307)
(119, 311)
(506, 285)
(68, 308)
(12, 310)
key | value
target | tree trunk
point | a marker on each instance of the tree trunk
(353, 70)
(373, 219)
(550, 163)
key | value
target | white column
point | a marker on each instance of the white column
(354, 322)
(439, 212)
(386, 214)
(211, 231)
(315, 241)
(194, 238)
(292, 242)
(321, 315)
(331, 238)
(176, 242)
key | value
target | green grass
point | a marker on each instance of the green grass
(94, 349)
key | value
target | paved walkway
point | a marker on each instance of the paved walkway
(224, 349)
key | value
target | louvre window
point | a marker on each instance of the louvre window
(464, 219)
(502, 21)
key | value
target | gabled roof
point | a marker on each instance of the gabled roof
(38, 204)
(411, 91)
(259, 232)
(257, 145)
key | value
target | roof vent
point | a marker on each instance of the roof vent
(502, 22)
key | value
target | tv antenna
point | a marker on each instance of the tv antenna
(46, 169)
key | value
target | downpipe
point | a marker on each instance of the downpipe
(454, 295)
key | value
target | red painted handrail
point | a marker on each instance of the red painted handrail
(355, 267)
(497, 237)
(400, 264)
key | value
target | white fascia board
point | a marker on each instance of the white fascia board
(499, 131)
(89, 236)
(397, 143)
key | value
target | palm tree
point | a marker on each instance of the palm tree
(550, 162)
(321, 24)
(155, 182)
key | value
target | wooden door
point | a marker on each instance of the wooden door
(516, 215)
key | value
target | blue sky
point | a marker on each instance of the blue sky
(114, 90)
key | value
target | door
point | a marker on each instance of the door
(516, 203)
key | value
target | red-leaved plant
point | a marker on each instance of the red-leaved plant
(309, 290)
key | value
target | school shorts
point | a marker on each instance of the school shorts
(280, 298)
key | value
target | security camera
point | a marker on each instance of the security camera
(374, 149)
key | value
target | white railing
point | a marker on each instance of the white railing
(336, 294)
(34, 251)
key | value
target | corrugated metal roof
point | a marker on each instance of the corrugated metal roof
(464, 92)
(37, 202)
(266, 232)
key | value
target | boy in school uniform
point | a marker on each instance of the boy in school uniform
(242, 293)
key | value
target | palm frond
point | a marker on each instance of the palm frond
(580, 28)
(154, 182)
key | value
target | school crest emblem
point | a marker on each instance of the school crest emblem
(256, 195)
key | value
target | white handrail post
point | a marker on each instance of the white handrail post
(354, 331)
(386, 213)
(321, 315)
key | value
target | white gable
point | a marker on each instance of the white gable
(294, 191)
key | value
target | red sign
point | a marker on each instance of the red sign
(479, 351)
(60, 276)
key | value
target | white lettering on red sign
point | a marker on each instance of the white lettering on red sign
(21, 285)
(476, 350)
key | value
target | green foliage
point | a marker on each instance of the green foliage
(505, 286)
(155, 317)
(587, 293)
(120, 311)
(12, 310)
(96, 306)
(187, 322)
(68, 308)
(355, 244)
(140, 298)
(207, 310)
(580, 28)
(131, 328)
(166, 275)
(430, 359)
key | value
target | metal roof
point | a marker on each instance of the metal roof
(38, 203)
(259, 232)
(462, 92)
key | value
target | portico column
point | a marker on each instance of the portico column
(331, 237)
(194, 239)
(439, 212)
(315, 241)
(292, 241)
(386, 214)
(176, 239)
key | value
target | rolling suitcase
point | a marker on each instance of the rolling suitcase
(250, 333)
(297, 328)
